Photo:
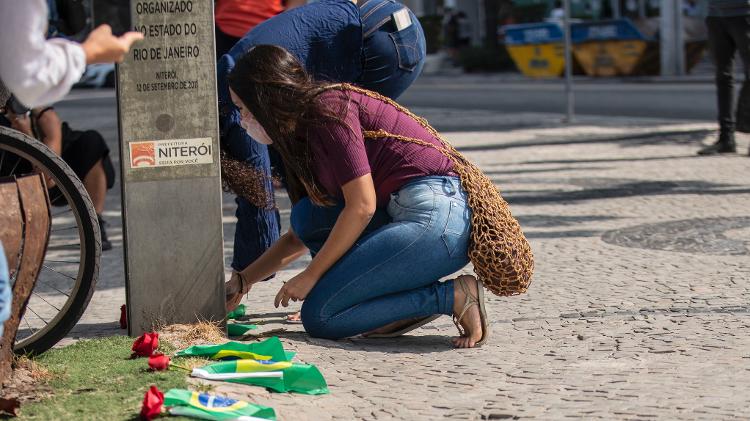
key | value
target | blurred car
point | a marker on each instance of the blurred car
(97, 76)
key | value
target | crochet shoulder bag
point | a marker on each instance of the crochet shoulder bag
(499, 251)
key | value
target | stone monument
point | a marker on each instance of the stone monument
(171, 187)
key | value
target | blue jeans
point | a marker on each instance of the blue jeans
(391, 59)
(6, 296)
(390, 62)
(392, 271)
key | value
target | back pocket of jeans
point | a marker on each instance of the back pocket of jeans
(455, 234)
(407, 46)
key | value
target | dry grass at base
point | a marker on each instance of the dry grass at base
(28, 382)
(201, 333)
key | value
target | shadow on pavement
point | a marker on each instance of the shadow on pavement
(598, 160)
(622, 190)
(638, 139)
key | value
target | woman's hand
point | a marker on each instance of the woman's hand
(295, 289)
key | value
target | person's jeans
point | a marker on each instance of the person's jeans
(392, 272)
(6, 297)
(727, 35)
(391, 59)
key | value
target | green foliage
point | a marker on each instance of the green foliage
(96, 380)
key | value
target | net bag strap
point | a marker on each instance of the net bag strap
(499, 251)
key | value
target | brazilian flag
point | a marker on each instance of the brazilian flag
(237, 312)
(270, 349)
(239, 329)
(278, 376)
(210, 407)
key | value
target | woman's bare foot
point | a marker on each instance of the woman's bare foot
(471, 320)
(294, 318)
(234, 291)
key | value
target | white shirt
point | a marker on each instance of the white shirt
(36, 70)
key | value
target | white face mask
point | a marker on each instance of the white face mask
(250, 124)
(255, 130)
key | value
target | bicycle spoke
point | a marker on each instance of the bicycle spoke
(50, 304)
(37, 315)
(67, 295)
(58, 272)
(54, 199)
(71, 246)
(15, 166)
(33, 331)
(62, 261)
(54, 215)
(65, 228)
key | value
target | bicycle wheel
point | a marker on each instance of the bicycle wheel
(70, 269)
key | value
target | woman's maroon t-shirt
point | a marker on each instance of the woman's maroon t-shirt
(341, 154)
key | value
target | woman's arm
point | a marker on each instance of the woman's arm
(283, 252)
(359, 206)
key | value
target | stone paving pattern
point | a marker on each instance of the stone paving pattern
(639, 306)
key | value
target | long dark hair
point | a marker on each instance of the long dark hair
(283, 97)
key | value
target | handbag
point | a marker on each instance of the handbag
(501, 254)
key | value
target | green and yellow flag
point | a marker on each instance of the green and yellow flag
(270, 349)
(239, 329)
(211, 407)
(237, 312)
(278, 376)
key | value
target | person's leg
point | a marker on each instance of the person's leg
(722, 48)
(85, 152)
(393, 273)
(257, 229)
(392, 58)
(740, 29)
(95, 183)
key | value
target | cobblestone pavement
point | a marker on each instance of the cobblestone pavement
(639, 306)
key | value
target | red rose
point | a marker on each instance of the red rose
(123, 317)
(152, 403)
(158, 361)
(145, 345)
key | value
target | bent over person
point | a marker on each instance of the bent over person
(377, 44)
(377, 193)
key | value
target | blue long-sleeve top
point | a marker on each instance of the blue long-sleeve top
(326, 36)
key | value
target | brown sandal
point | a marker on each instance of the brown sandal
(470, 301)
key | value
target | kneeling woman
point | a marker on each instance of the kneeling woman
(376, 202)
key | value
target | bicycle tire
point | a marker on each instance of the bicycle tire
(85, 214)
